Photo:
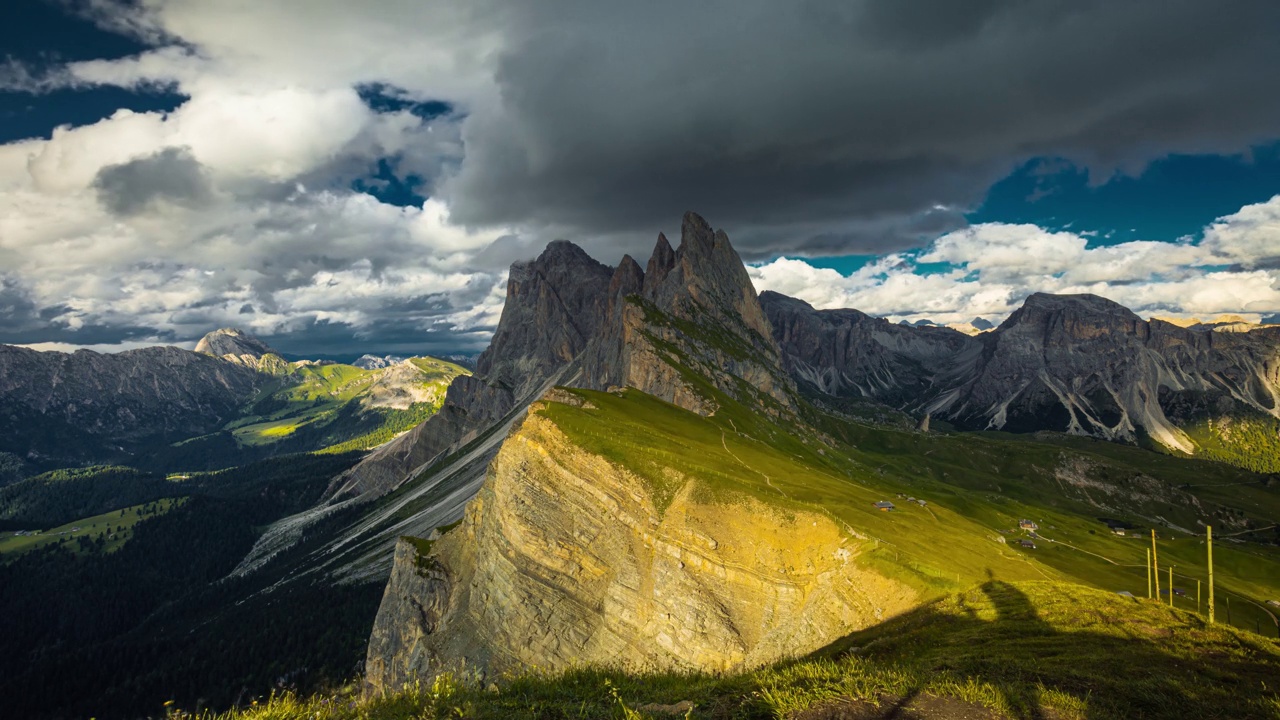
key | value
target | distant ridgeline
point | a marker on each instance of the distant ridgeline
(231, 401)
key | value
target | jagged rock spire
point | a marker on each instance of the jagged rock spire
(554, 306)
(661, 261)
(706, 278)
(628, 279)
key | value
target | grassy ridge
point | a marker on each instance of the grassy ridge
(977, 488)
(1019, 650)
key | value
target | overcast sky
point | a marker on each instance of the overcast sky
(342, 177)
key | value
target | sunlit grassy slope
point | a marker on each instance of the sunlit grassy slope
(976, 490)
(108, 531)
(996, 649)
(326, 408)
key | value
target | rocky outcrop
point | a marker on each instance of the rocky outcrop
(566, 558)
(66, 408)
(233, 344)
(555, 305)
(693, 317)
(374, 362)
(400, 386)
(413, 605)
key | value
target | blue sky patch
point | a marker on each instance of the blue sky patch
(381, 97)
(390, 188)
(1174, 197)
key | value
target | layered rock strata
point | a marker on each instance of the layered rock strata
(565, 558)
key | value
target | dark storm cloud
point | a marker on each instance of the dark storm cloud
(18, 312)
(172, 174)
(412, 326)
(338, 341)
(23, 321)
(796, 119)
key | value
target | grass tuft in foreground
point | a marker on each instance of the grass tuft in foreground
(1021, 650)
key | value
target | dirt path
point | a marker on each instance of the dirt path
(767, 481)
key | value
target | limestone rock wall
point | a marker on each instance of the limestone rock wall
(564, 558)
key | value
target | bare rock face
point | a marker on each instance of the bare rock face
(1086, 365)
(849, 353)
(694, 312)
(373, 362)
(555, 306)
(231, 343)
(413, 604)
(400, 386)
(565, 558)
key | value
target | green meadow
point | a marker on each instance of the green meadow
(106, 532)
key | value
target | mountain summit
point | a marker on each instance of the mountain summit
(232, 342)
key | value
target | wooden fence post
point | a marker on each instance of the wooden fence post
(1148, 573)
(1155, 562)
(1208, 534)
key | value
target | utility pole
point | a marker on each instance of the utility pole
(1170, 586)
(1155, 562)
(1208, 534)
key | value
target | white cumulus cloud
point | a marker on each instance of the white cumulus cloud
(992, 267)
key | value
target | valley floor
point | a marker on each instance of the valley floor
(997, 650)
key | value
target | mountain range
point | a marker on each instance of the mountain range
(660, 465)
(231, 400)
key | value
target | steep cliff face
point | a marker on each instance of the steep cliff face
(849, 353)
(566, 557)
(555, 306)
(692, 318)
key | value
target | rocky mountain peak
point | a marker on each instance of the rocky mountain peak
(1097, 309)
(706, 279)
(374, 362)
(661, 261)
(698, 310)
(554, 306)
(696, 234)
(628, 279)
(232, 342)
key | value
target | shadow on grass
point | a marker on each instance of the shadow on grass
(1094, 656)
